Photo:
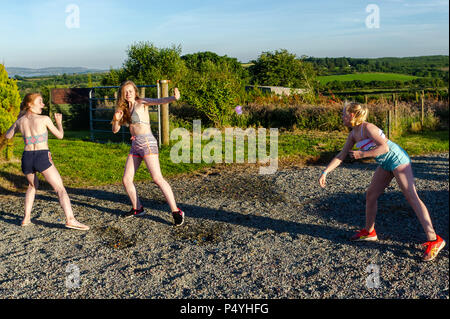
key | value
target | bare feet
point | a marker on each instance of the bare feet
(26, 222)
(74, 224)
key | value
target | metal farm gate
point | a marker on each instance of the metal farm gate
(101, 112)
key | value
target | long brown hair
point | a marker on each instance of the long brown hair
(122, 103)
(28, 99)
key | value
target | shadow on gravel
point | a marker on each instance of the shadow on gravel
(430, 171)
(108, 197)
(396, 219)
(262, 223)
(17, 219)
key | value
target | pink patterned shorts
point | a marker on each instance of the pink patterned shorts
(142, 145)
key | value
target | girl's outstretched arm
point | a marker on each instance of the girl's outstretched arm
(164, 100)
(337, 160)
(57, 131)
(11, 131)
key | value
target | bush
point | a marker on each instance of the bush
(9, 107)
(213, 90)
(9, 100)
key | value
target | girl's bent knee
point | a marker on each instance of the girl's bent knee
(159, 181)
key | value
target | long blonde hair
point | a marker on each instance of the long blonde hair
(359, 111)
(25, 105)
(122, 103)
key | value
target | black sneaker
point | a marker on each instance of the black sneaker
(178, 217)
(134, 212)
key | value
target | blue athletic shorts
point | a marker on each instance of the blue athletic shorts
(395, 157)
(36, 161)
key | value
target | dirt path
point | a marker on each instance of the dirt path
(246, 236)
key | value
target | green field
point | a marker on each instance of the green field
(366, 77)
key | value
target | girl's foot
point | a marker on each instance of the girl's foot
(134, 212)
(364, 235)
(178, 217)
(74, 224)
(26, 222)
(433, 248)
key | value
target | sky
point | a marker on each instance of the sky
(97, 33)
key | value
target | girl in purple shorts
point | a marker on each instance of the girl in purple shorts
(132, 111)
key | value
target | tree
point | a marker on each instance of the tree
(281, 68)
(195, 61)
(113, 78)
(213, 89)
(9, 107)
(147, 64)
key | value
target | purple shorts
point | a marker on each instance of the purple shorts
(142, 145)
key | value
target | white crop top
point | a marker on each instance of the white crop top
(367, 144)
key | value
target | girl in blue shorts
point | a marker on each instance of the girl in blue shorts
(393, 162)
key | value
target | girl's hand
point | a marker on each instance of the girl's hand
(176, 93)
(323, 180)
(58, 118)
(355, 154)
(118, 116)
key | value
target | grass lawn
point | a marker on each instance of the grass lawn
(424, 143)
(83, 163)
(366, 77)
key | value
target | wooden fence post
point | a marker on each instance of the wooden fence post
(422, 116)
(389, 123)
(50, 102)
(395, 112)
(165, 112)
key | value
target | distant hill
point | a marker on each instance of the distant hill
(28, 72)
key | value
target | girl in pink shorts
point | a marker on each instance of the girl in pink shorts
(132, 111)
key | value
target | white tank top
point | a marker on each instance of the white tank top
(368, 144)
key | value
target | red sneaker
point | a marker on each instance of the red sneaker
(134, 212)
(433, 248)
(364, 235)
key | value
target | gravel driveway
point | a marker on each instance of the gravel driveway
(246, 236)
